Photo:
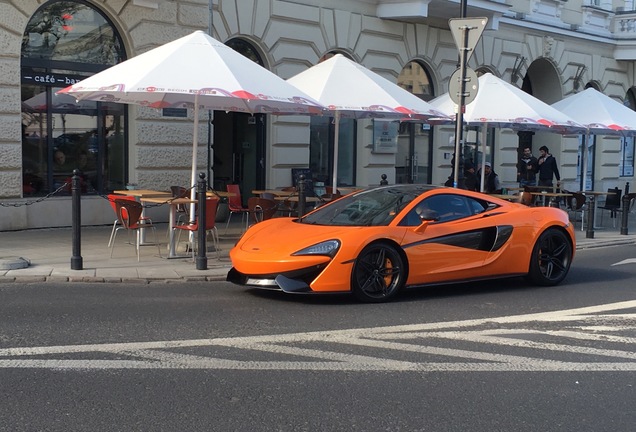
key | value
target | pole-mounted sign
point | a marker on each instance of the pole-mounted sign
(466, 32)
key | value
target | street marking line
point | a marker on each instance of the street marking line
(593, 323)
(625, 261)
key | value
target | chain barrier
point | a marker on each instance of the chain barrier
(66, 186)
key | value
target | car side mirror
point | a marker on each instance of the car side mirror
(429, 215)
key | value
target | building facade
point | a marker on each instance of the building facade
(550, 48)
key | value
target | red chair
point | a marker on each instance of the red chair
(183, 210)
(211, 207)
(261, 208)
(129, 216)
(111, 200)
(235, 205)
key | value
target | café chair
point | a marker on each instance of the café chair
(328, 197)
(111, 201)
(525, 198)
(612, 204)
(576, 204)
(129, 216)
(183, 210)
(261, 208)
(287, 207)
(235, 205)
(211, 207)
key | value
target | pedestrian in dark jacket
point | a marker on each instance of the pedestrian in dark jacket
(491, 180)
(548, 168)
(527, 168)
(470, 179)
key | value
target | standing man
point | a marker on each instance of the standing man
(527, 168)
(547, 168)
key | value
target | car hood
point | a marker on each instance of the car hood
(284, 236)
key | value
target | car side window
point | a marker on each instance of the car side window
(477, 206)
(446, 207)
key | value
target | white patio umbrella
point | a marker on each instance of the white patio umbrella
(600, 114)
(350, 90)
(500, 104)
(195, 71)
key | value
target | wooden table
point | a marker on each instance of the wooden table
(552, 195)
(275, 192)
(346, 190)
(139, 193)
(295, 198)
(220, 194)
(505, 197)
(172, 219)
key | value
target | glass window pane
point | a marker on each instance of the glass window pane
(59, 133)
(34, 141)
(319, 154)
(71, 31)
(346, 152)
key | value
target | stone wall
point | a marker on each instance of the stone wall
(292, 36)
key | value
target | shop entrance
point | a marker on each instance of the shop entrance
(239, 151)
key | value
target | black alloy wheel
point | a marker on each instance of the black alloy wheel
(378, 274)
(551, 258)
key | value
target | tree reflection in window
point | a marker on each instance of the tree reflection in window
(71, 31)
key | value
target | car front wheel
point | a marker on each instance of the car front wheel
(551, 258)
(378, 273)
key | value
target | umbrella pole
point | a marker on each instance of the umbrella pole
(584, 147)
(195, 144)
(484, 136)
(335, 152)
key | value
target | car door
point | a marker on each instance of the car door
(456, 244)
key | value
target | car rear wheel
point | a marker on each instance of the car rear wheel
(551, 258)
(378, 273)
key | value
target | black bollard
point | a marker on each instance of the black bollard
(625, 213)
(384, 181)
(76, 191)
(589, 233)
(302, 200)
(202, 259)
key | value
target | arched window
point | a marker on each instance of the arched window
(246, 49)
(64, 42)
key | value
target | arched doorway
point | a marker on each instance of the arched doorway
(544, 83)
(64, 42)
(414, 158)
(238, 153)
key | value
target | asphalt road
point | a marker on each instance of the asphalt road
(496, 356)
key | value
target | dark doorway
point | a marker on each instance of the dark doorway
(239, 151)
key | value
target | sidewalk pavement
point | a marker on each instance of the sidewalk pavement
(45, 255)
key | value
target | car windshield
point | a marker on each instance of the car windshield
(372, 207)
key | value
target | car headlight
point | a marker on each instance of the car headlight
(329, 248)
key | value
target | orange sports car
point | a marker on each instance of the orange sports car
(377, 241)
